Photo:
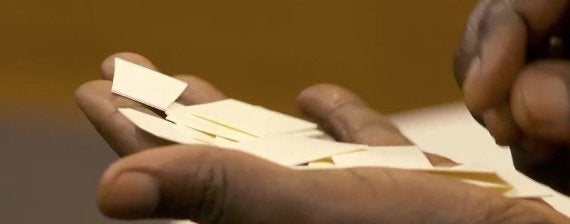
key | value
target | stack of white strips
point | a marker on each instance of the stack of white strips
(273, 136)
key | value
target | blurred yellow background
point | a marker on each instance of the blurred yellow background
(396, 54)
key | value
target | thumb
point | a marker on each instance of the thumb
(209, 185)
(200, 183)
(540, 102)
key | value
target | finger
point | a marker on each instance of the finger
(499, 37)
(501, 53)
(347, 117)
(495, 45)
(108, 65)
(540, 102)
(344, 115)
(198, 91)
(210, 185)
(469, 47)
(501, 125)
(541, 108)
(467, 55)
(101, 108)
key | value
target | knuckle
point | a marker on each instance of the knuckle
(379, 132)
(357, 123)
(344, 120)
(198, 193)
(210, 178)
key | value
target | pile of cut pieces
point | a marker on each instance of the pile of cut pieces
(279, 138)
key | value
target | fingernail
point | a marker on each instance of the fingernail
(545, 104)
(129, 195)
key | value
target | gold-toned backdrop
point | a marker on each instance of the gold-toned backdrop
(397, 54)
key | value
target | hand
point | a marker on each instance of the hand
(514, 72)
(212, 185)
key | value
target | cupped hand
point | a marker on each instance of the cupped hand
(513, 69)
(101, 106)
(212, 185)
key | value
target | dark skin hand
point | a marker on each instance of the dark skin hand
(514, 71)
(158, 179)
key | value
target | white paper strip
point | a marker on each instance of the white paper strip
(248, 118)
(522, 186)
(405, 157)
(293, 150)
(191, 121)
(501, 188)
(146, 86)
(164, 129)
(311, 133)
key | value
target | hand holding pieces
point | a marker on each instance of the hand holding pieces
(210, 185)
(514, 71)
